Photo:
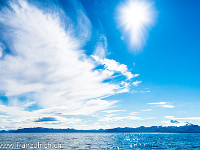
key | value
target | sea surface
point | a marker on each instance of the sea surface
(84, 141)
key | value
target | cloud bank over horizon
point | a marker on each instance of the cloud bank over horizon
(45, 72)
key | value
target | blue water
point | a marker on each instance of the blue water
(83, 141)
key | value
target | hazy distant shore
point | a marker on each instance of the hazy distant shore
(189, 128)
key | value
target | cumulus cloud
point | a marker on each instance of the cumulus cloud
(114, 66)
(47, 67)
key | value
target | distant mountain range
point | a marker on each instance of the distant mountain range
(188, 128)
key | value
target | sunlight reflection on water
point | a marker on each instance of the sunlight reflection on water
(116, 141)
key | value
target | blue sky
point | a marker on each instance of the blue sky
(99, 64)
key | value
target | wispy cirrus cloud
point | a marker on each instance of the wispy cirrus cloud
(113, 111)
(2, 47)
(46, 67)
(111, 119)
(136, 83)
(168, 106)
(146, 110)
(162, 104)
(158, 103)
(101, 47)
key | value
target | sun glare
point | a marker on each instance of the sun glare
(135, 17)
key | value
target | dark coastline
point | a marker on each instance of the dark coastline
(189, 128)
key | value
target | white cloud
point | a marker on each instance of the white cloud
(112, 111)
(101, 47)
(184, 118)
(170, 123)
(2, 47)
(189, 118)
(133, 113)
(168, 106)
(17, 117)
(111, 119)
(112, 65)
(83, 28)
(136, 83)
(135, 75)
(173, 121)
(162, 104)
(159, 103)
(169, 117)
(147, 110)
(46, 67)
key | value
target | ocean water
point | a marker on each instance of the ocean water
(84, 141)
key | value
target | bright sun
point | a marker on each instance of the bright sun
(135, 16)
